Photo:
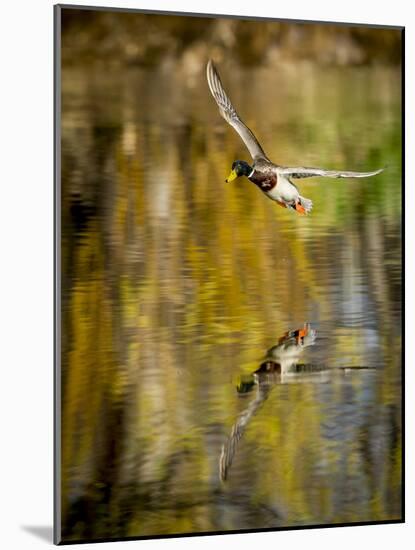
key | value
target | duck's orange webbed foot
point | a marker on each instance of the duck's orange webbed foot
(300, 209)
(301, 333)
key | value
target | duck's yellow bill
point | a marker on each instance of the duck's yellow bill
(232, 176)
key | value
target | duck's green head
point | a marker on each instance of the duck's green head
(245, 384)
(239, 168)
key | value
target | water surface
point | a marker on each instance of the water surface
(175, 285)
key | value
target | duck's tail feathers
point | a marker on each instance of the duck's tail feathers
(304, 206)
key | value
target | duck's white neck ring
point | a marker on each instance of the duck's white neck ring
(253, 170)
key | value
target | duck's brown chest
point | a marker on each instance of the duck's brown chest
(265, 181)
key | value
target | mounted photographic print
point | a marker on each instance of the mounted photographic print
(228, 274)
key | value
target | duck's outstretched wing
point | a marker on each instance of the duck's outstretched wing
(229, 113)
(229, 448)
(304, 172)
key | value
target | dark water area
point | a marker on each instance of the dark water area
(175, 416)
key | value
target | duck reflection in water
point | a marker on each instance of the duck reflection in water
(279, 366)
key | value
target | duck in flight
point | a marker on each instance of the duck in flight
(272, 179)
(279, 366)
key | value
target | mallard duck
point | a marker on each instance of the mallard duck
(272, 179)
(281, 361)
(279, 366)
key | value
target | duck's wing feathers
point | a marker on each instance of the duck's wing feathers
(227, 110)
(238, 429)
(304, 172)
